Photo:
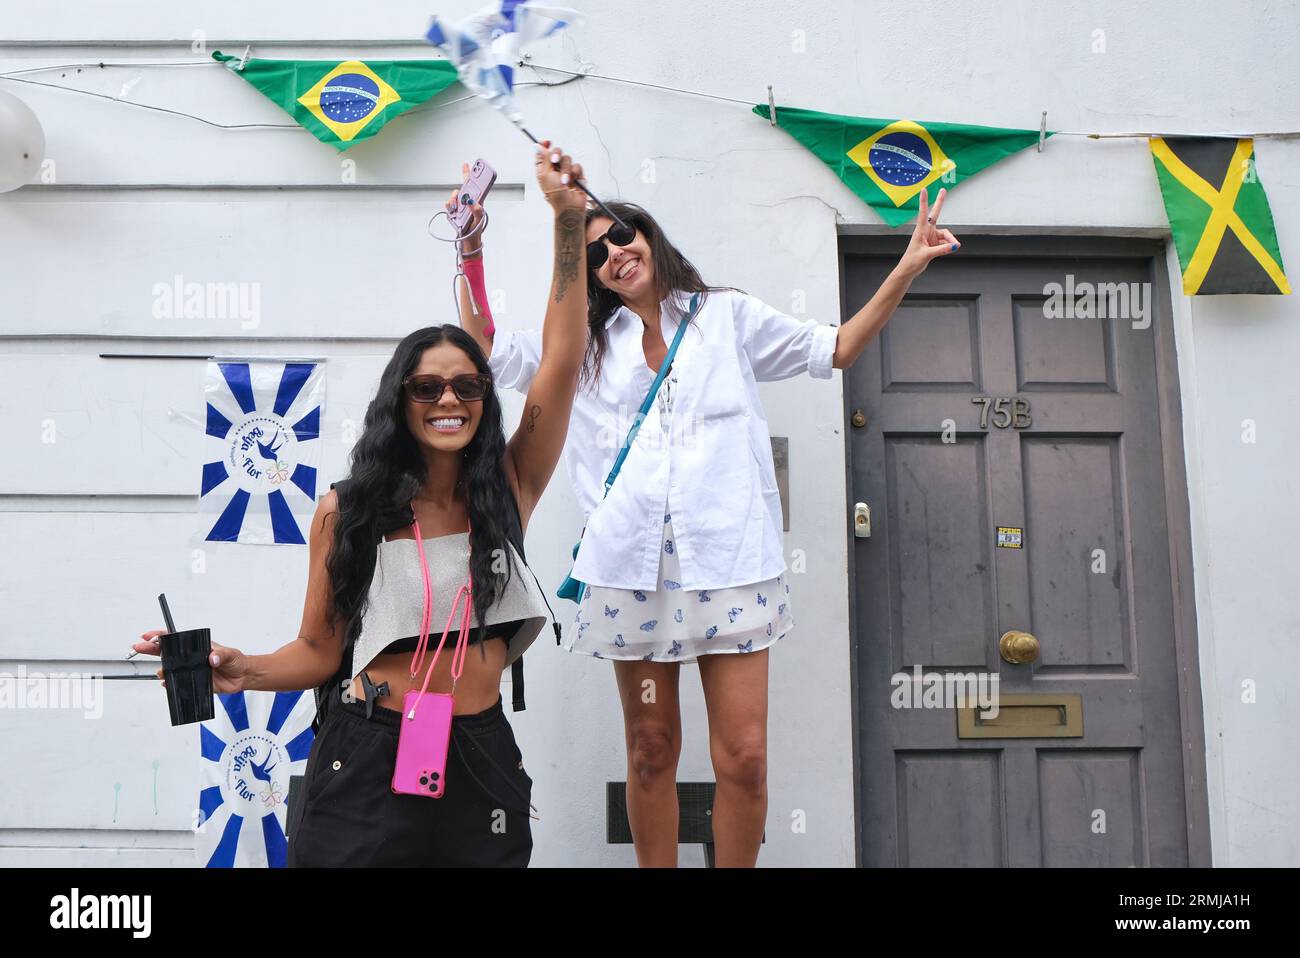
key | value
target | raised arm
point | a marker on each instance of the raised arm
(928, 242)
(781, 346)
(475, 317)
(535, 447)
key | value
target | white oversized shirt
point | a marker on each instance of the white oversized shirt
(711, 470)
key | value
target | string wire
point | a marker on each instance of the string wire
(16, 76)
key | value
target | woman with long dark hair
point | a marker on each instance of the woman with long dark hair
(432, 513)
(682, 555)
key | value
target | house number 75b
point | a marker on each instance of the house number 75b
(1012, 411)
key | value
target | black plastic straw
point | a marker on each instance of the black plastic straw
(167, 614)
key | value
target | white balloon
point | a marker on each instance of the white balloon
(22, 143)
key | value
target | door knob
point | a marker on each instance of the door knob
(1018, 648)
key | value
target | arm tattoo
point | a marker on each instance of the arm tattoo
(533, 413)
(568, 248)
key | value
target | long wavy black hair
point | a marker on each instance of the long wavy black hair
(672, 271)
(388, 470)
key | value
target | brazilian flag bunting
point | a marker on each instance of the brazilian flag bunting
(889, 162)
(344, 102)
(1219, 215)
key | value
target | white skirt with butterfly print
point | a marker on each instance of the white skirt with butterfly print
(672, 624)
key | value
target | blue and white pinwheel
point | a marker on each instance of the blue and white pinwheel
(486, 46)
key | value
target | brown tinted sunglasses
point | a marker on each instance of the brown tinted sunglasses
(469, 387)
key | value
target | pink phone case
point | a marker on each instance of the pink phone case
(473, 190)
(422, 744)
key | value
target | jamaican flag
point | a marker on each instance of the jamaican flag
(1219, 215)
(344, 102)
(888, 162)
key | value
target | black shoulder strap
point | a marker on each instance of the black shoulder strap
(515, 533)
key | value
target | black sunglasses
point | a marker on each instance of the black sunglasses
(469, 387)
(598, 252)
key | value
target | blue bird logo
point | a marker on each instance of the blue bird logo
(262, 772)
(269, 451)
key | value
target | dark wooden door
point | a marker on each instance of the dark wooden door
(984, 409)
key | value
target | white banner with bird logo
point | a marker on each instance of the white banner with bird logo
(255, 742)
(261, 449)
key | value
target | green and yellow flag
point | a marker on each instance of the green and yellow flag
(888, 162)
(1219, 215)
(342, 102)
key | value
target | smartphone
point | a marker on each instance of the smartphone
(422, 742)
(473, 190)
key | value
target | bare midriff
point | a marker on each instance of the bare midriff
(478, 687)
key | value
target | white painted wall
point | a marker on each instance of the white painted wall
(99, 522)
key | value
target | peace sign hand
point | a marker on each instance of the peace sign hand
(928, 240)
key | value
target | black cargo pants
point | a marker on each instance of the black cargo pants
(346, 813)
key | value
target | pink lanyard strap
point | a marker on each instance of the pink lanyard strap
(462, 640)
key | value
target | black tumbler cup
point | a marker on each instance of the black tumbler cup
(188, 675)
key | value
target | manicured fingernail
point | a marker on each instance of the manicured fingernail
(214, 660)
(564, 178)
(555, 157)
(954, 247)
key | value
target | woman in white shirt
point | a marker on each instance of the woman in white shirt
(683, 559)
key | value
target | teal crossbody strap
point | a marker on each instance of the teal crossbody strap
(650, 396)
(571, 588)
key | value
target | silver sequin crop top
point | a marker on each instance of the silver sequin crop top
(397, 597)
